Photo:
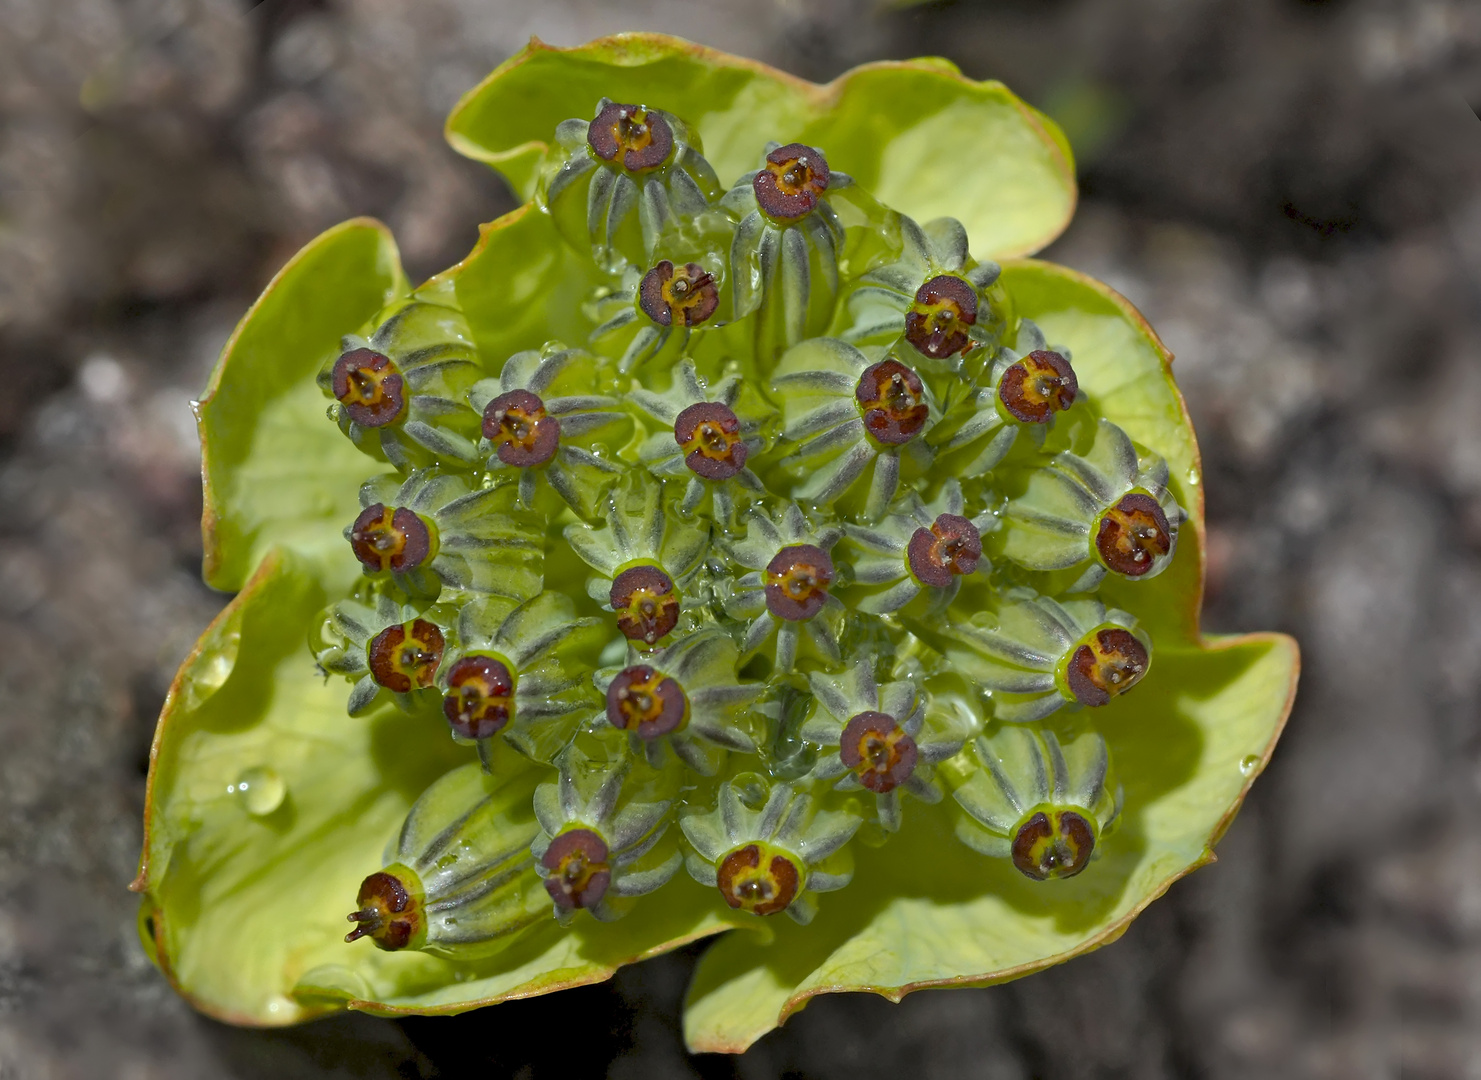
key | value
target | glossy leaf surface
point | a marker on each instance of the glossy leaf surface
(1010, 179)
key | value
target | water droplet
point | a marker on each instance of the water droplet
(1193, 477)
(211, 670)
(260, 789)
(1249, 763)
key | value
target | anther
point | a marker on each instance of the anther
(952, 546)
(647, 702)
(892, 400)
(1133, 534)
(643, 598)
(369, 386)
(479, 702)
(522, 432)
(686, 294)
(710, 436)
(762, 883)
(878, 751)
(1038, 386)
(936, 323)
(1110, 662)
(791, 181)
(796, 582)
(641, 138)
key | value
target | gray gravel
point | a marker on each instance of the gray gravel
(1291, 192)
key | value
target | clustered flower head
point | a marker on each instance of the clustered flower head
(690, 576)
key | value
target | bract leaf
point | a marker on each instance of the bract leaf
(1010, 179)
(262, 417)
(1187, 743)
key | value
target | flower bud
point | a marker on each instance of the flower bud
(797, 580)
(709, 434)
(646, 604)
(790, 181)
(951, 547)
(1133, 534)
(1037, 386)
(370, 387)
(386, 538)
(892, 400)
(647, 702)
(687, 295)
(936, 323)
(1053, 843)
(390, 910)
(577, 869)
(404, 657)
(632, 136)
(759, 878)
(877, 750)
(1110, 662)
(522, 432)
(479, 702)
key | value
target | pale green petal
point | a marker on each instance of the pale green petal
(1010, 178)
(262, 416)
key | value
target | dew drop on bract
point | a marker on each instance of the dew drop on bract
(209, 673)
(260, 789)
(1249, 763)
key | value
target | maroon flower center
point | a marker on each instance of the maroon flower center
(479, 701)
(687, 294)
(405, 657)
(936, 323)
(647, 702)
(791, 181)
(386, 538)
(892, 400)
(390, 913)
(1053, 843)
(710, 436)
(643, 598)
(578, 869)
(761, 882)
(1111, 662)
(796, 582)
(523, 433)
(1133, 534)
(878, 751)
(1038, 386)
(640, 137)
(370, 388)
(950, 547)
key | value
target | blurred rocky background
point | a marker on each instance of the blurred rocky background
(1290, 190)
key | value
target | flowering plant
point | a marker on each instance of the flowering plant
(689, 557)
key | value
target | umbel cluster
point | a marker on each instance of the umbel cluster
(798, 527)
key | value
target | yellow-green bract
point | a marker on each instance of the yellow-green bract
(267, 804)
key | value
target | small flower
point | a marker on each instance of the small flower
(709, 435)
(538, 420)
(1042, 803)
(768, 846)
(851, 418)
(1037, 654)
(1022, 395)
(685, 695)
(918, 548)
(648, 319)
(1106, 509)
(457, 882)
(784, 257)
(602, 823)
(644, 557)
(384, 646)
(884, 742)
(947, 308)
(431, 530)
(399, 395)
(630, 175)
(520, 672)
(786, 593)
